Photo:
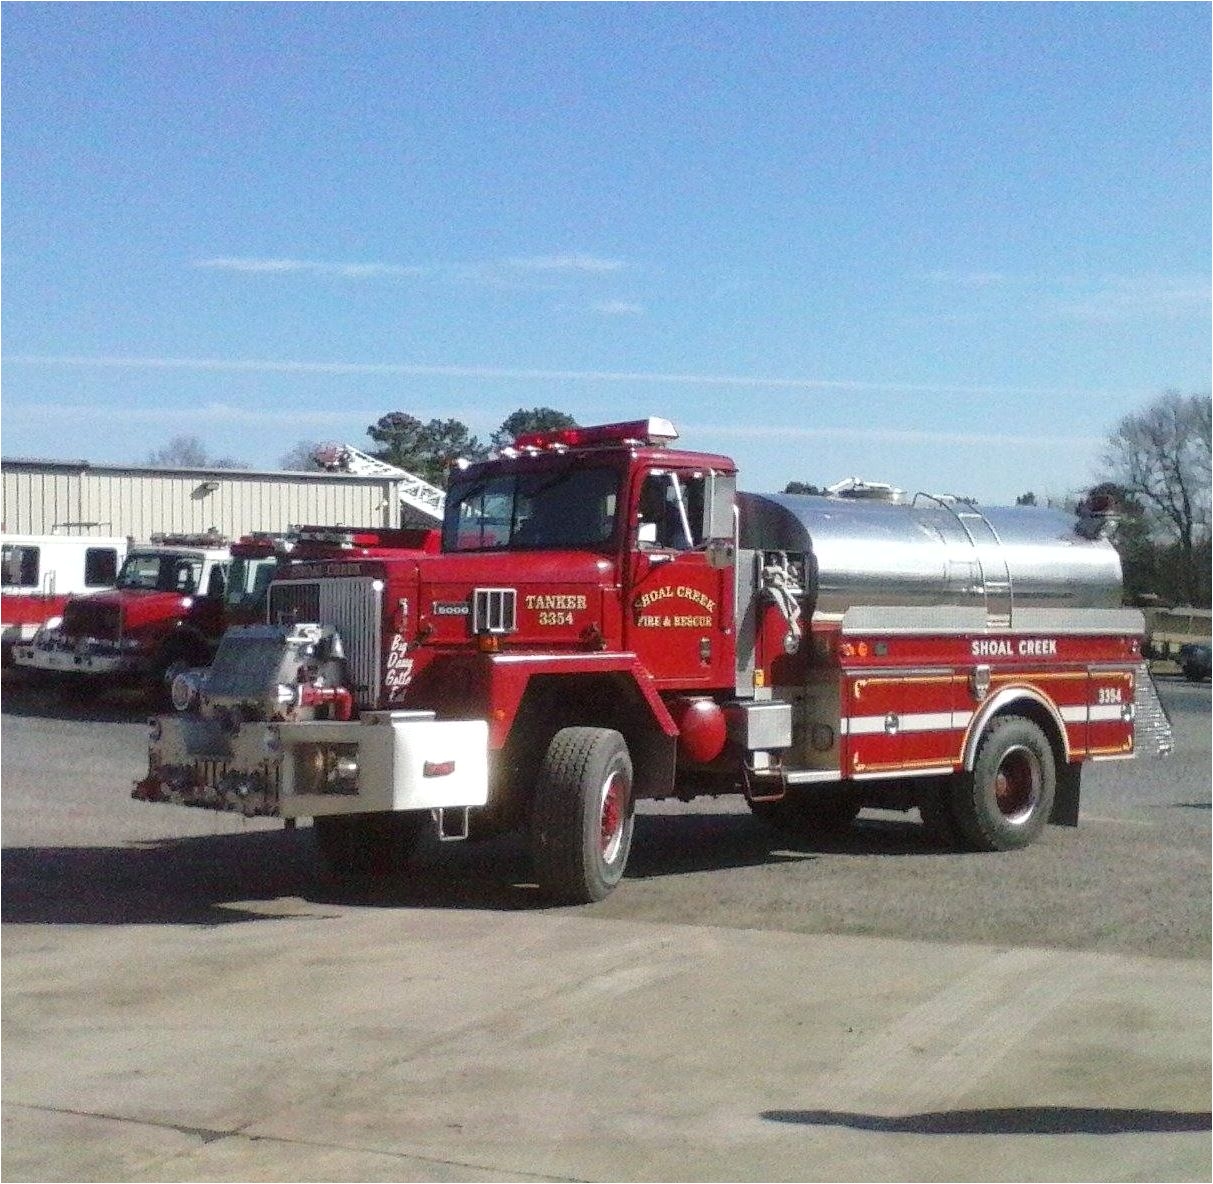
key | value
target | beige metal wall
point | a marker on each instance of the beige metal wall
(139, 502)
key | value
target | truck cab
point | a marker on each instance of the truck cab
(38, 572)
(165, 611)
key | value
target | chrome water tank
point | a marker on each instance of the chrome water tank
(930, 551)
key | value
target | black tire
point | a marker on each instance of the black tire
(806, 814)
(1195, 673)
(359, 848)
(582, 816)
(167, 665)
(1005, 802)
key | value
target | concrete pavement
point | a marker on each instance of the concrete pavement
(318, 1041)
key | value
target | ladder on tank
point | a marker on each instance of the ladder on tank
(414, 492)
(986, 543)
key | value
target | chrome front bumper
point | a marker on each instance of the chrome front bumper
(385, 760)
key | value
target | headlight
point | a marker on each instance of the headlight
(52, 623)
(287, 695)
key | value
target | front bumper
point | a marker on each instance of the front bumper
(404, 760)
(77, 660)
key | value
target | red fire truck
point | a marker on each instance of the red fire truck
(611, 620)
(165, 608)
(174, 598)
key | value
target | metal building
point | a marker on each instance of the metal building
(49, 496)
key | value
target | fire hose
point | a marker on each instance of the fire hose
(780, 585)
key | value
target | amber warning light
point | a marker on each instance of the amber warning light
(636, 431)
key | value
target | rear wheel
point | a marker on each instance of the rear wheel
(1005, 802)
(582, 815)
(364, 847)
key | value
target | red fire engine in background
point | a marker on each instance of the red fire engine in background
(172, 600)
(610, 620)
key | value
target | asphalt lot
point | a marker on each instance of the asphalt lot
(185, 997)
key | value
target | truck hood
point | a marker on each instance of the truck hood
(135, 608)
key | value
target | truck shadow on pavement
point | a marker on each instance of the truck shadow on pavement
(265, 875)
(22, 697)
(1008, 1120)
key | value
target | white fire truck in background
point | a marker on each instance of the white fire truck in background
(38, 572)
(610, 619)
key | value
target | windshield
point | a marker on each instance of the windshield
(248, 578)
(563, 510)
(158, 572)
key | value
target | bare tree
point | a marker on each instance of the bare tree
(1161, 455)
(301, 458)
(187, 452)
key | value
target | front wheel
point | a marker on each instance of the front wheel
(582, 815)
(363, 847)
(1005, 802)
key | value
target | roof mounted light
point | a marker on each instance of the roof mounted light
(336, 536)
(653, 431)
(211, 538)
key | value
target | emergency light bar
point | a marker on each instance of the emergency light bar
(649, 431)
(209, 539)
(342, 538)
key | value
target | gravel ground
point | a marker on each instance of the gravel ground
(1133, 877)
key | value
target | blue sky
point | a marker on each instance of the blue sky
(946, 246)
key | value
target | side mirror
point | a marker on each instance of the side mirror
(719, 522)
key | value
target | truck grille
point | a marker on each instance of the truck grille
(102, 621)
(353, 607)
(494, 610)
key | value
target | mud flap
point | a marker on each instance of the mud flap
(1065, 800)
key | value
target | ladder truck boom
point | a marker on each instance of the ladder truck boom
(415, 492)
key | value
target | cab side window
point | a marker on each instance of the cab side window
(20, 566)
(670, 511)
(100, 567)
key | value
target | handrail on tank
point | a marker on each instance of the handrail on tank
(949, 502)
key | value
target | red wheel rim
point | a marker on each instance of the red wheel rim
(1017, 784)
(612, 814)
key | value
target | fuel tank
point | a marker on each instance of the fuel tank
(928, 551)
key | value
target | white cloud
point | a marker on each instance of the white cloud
(574, 263)
(200, 413)
(898, 436)
(618, 308)
(967, 279)
(652, 378)
(309, 267)
(1124, 298)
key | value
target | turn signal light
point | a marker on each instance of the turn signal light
(437, 768)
